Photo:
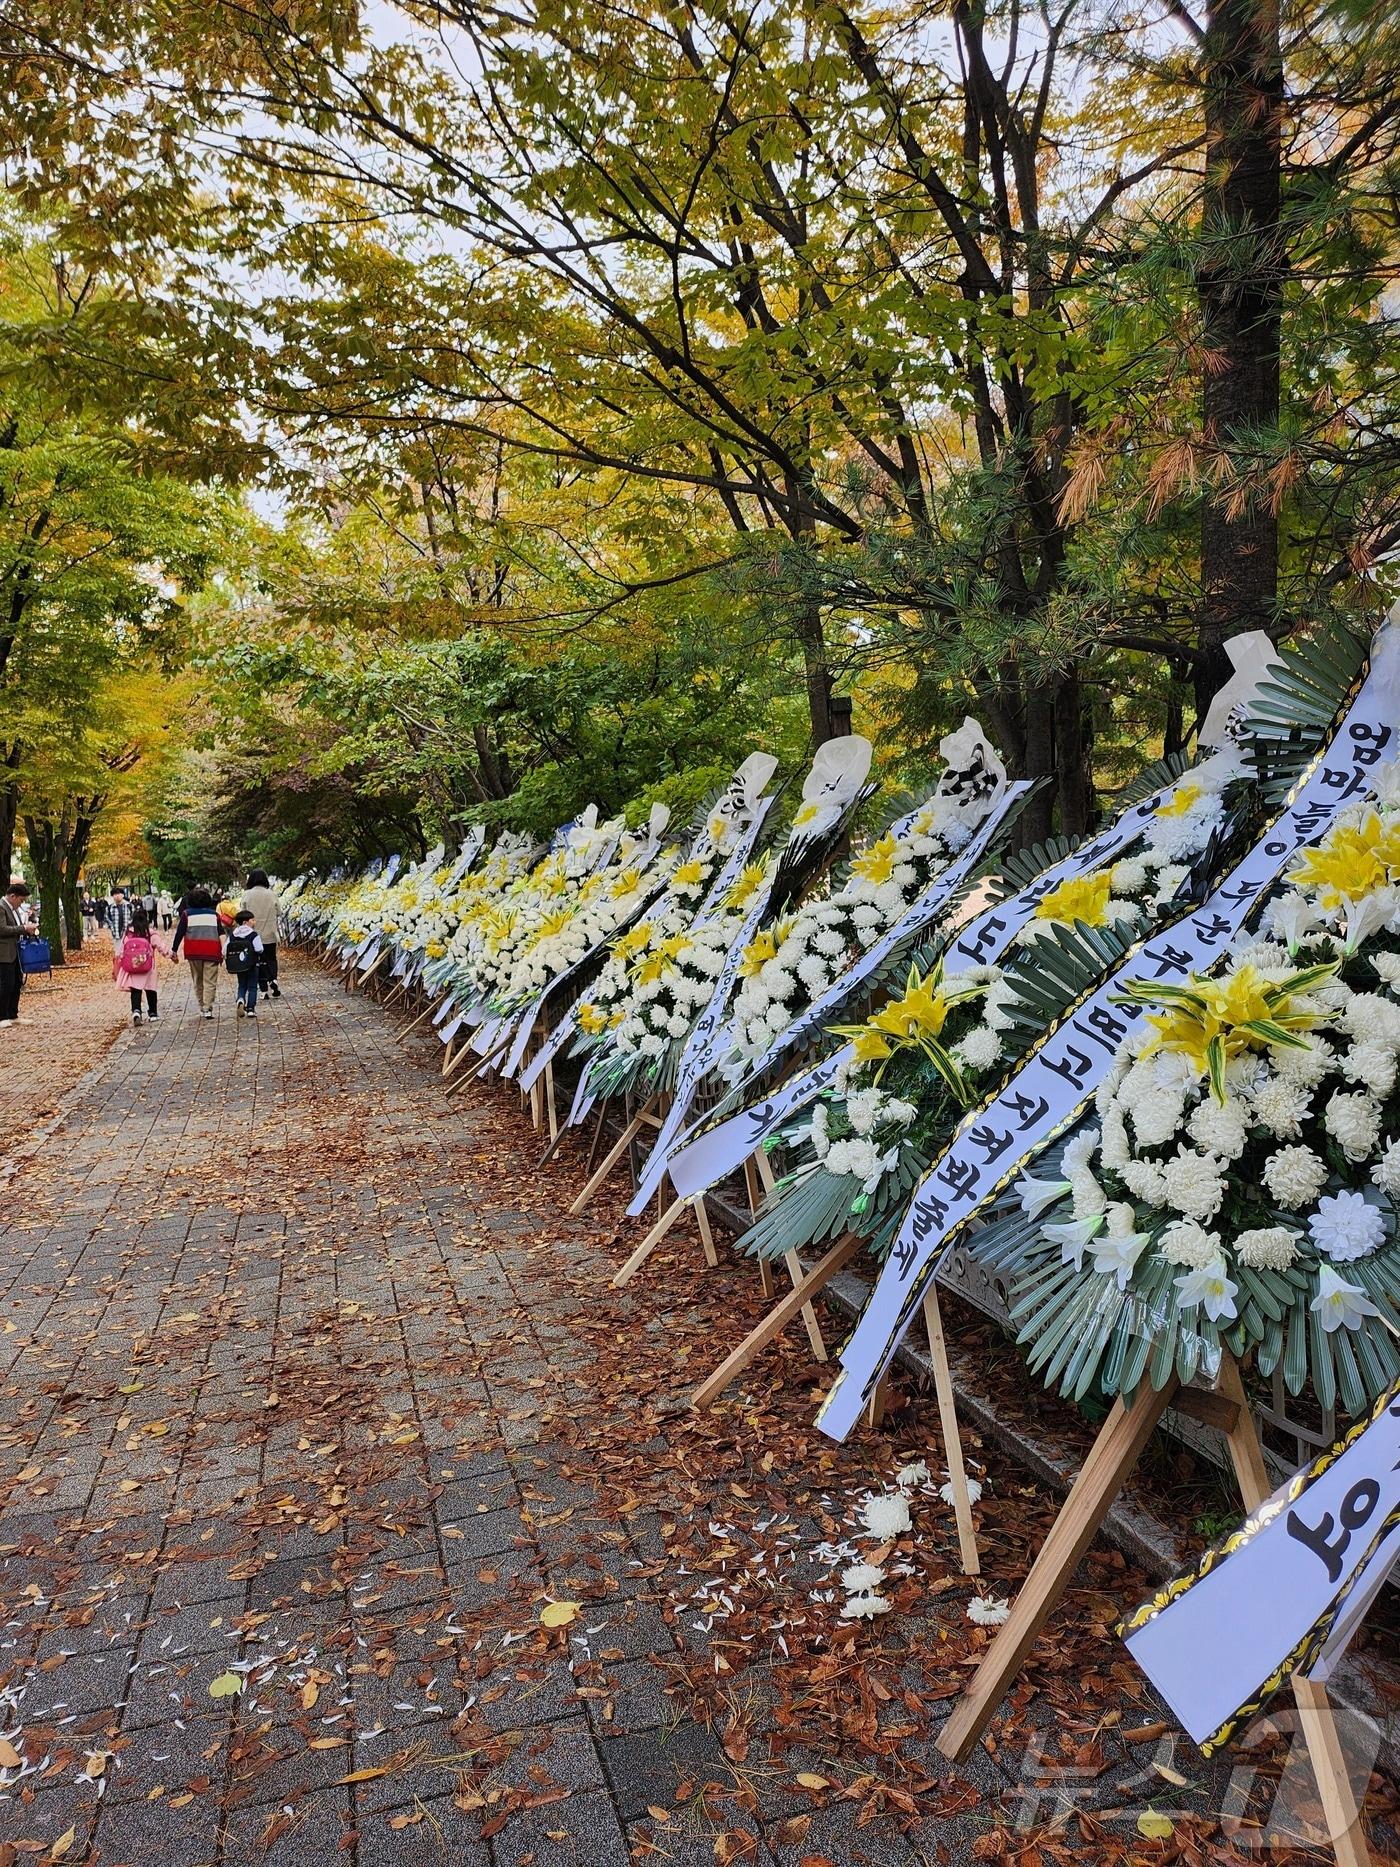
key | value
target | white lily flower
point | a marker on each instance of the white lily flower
(1338, 1303)
(1036, 1195)
(1073, 1237)
(1211, 1286)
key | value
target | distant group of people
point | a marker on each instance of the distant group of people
(240, 939)
(114, 911)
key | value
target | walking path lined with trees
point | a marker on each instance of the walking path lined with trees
(352, 1514)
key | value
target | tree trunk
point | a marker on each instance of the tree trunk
(1037, 820)
(1074, 783)
(1239, 284)
(46, 856)
(9, 812)
(812, 637)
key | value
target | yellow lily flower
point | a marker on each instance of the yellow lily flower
(1180, 801)
(877, 865)
(1081, 898)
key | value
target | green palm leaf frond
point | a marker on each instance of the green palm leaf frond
(1295, 706)
(1057, 969)
(1154, 777)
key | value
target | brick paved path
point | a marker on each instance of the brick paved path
(302, 1385)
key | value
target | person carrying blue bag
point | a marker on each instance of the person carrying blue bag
(241, 957)
(16, 924)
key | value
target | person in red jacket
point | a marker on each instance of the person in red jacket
(198, 930)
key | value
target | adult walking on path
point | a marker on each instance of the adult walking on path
(261, 903)
(199, 932)
(134, 965)
(15, 923)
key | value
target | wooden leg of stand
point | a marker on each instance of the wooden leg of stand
(875, 1406)
(409, 1029)
(597, 1140)
(702, 1219)
(777, 1319)
(755, 1193)
(1113, 1455)
(550, 1108)
(1316, 1717)
(449, 1050)
(952, 1437)
(815, 1339)
(606, 1165)
(650, 1242)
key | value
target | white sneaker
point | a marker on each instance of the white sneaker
(206, 1014)
(242, 1011)
(153, 1017)
(252, 1011)
(136, 1017)
(5, 1021)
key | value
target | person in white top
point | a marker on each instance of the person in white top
(261, 903)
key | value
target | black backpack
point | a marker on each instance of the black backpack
(239, 957)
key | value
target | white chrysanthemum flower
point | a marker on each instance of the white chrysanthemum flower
(861, 1577)
(1156, 1116)
(1219, 1129)
(949, 1496)
(1128, 877)
(1371, 1017)
(1386, 1172)
(1079, 1151)
(1269, 1248)
(1280, 1107)
(898, 1113)
(1371, 1065)
(1115, 1149)
(864, 1607)
(1295, 1176)
(979, 1049)
(1388, 966)
(1354, 1123)
(913, 1474)
(1305, 1067)
(886, 1516)
(1188, 1246)
(988, 1613)
(1195, 1183)
(1146, 1181)
(1346, 1226)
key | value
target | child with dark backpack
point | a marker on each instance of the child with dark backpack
(134, 966)
(241, 957)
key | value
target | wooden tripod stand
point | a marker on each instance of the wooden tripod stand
(1117, 1449)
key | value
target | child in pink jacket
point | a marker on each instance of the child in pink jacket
(134, 965)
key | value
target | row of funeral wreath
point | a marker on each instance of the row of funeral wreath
(1153, 1080)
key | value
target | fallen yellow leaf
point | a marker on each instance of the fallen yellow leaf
(810, 1780)
(227, 1685)
(1154, 1827)
(560, 1614)
(310, 1692)
(62, 1845)
(10, 1758)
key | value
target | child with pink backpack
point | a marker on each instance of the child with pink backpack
(134, 965)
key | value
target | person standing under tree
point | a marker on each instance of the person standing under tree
(243, 953)
(16, 923)
(261, 903)
(134, 965)
(199, 932)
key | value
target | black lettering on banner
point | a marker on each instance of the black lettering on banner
(1217, 927)
(1360, 732)
(1074, 1066)
(1236, 893)
(1275, 848)
(992, 1142)
(1355, 1511)
(930, 1214)
(1105, 1026)
(1171, 959)
(977, 943)
(961, 1177)
(1027, 1109)
(1347, 782)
